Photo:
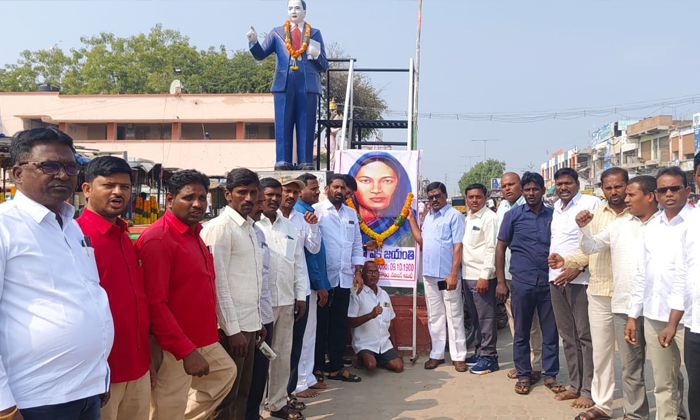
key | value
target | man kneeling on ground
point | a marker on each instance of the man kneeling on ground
(371, 316)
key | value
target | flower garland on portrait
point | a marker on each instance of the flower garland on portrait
(381, 237)
(288, 43)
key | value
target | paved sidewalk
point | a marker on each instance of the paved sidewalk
(444, 394)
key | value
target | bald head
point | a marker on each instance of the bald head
(510, 187)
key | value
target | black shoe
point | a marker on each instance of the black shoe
(306, 167)
(283, 167)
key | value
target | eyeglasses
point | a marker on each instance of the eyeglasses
(673, 189)
(52, 168)
(434, 197)
(371, 272)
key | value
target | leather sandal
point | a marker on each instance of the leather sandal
(594, 413)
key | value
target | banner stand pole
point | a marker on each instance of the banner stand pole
(414, 344)
(419, 273)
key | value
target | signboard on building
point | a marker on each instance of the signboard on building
(495, 184)
(622, 125)
(696, 131)
(606, 132)
(606, 158)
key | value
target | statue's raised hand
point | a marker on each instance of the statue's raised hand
(252, 35)
(313, 50)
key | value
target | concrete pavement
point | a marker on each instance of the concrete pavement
(444, 394)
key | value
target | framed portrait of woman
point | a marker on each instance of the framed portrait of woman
(387, 183)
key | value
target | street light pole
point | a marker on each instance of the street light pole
(485, 140)
(470, 159)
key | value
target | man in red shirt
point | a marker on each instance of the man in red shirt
(108, 190)
(196, 373)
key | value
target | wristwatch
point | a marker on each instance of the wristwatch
(358, 270)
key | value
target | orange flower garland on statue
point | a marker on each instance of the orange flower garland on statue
(288, 42)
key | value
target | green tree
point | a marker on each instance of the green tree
(146, 63)
(34, 67)
(143, 63)
(368, 101)
(482, 173)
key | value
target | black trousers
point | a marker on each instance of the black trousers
(297, 343)
(332, 330)
(691, 348)
(82, 409)
(257, 384)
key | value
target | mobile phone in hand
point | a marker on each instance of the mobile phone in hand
(442, 285)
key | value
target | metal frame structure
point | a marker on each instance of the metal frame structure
(354, 141)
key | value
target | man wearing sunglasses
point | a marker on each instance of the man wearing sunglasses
(685, 303)
(57, 328)
(653, 284)
(441, 240)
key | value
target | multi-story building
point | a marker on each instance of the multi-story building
(654, 147)
(210, 133)
(682, 149)
(610, 144)
(558, 160)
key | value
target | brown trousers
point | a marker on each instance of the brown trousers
(179, 396)
(129, 400)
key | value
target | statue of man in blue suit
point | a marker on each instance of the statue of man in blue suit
(297, 83)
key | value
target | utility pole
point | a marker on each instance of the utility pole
(417, 73)
(485, 141)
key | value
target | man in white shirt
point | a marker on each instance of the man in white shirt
(238, 265)
(310, 236)
(621, 237)
(513, 197)
(288, 285)
(568, 287)
(440, 237)
(479, 277)
(684, 302)
(343, 242)
(56, 328)
(371, 317)
(261, 364)
(653, 283)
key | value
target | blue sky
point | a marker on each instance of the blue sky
(477, 56)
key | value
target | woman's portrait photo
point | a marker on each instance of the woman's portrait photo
(382, 188)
